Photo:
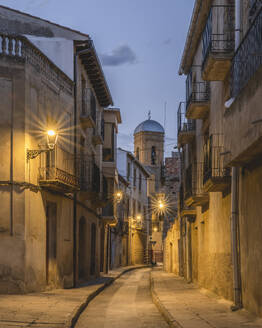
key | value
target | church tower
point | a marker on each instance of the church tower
(149, 150)
(149, 147)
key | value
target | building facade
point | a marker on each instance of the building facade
(219, 136)
(136, 206)
(52, 224)
(149, 150)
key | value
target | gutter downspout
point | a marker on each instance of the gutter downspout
(75, 163)
(235, 196)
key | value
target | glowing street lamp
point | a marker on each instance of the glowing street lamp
(51, 139)
(118, 196)
(52, 136)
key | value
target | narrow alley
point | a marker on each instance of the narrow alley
(126, 303)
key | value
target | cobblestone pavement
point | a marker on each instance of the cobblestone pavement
(127, 303)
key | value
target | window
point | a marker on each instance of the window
(137, 153)
(128, 171)
(134, 208)
(134, 177)
(140, 182)
(153, 155)
(83, 96)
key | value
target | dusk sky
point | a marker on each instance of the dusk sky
(139, 43)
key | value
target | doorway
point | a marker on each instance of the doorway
(51, 243)
(93, 250)
(82, 248)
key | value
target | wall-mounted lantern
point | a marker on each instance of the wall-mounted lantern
(51, 136)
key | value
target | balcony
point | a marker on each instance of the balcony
(57, 171)
(197, 98)
(218, 43)
(216, 176)
(186, 127)
(248, 57)
(109, 214)
(184, 209)
(89, 179)
(88, 114)
(194, 192)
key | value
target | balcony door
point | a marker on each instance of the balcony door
(51, 243)
(93, 250)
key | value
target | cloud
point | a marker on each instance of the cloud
(119, 56)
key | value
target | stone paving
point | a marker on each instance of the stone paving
(127, 303)
(186, 306)
(52, 309)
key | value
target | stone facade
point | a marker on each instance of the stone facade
(136, 202)
(51, 225)
(219, 129)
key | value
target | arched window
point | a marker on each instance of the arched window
(153, 155)
(137, 153)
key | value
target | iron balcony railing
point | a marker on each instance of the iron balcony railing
(194, 180)
(108, 209)
(89, 176)
(254, 7)
(105, 188)
(197, 92)
(218, 35)
(57, 167)
(103, 129)
(88, 103)
(213, 158)
(108, 155)
(184, 124)
(248, 57)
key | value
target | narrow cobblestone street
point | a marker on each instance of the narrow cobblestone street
(126, 303)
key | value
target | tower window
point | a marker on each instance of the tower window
(137, 153)
(153, 155)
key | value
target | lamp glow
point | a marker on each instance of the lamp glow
(51, 133)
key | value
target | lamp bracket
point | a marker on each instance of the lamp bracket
(31, 154)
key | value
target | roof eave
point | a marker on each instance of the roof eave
(197, 24)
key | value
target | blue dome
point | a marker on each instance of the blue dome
(149, 126)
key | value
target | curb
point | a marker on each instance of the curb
(161, 308)
(80, 308)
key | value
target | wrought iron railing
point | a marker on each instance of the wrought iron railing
(93, 106)
(105, 188)
(103, 129)
(22, 50)
(108, 209)
(194, 180)
(254, 7)
(214, 166)
(197, 92)
(248, 57)
(218, 35)
(184, 124)
(55, 174)
(108, 155)
(89, 176)
(57, 166)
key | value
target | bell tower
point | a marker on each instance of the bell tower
(149, 147)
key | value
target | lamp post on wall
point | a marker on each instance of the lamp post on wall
(51, 136)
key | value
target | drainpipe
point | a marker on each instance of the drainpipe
(75, 163)
(234, 195)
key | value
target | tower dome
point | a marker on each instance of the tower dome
(149, 126)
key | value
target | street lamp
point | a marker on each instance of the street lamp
(51, 136)
(118, 196)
